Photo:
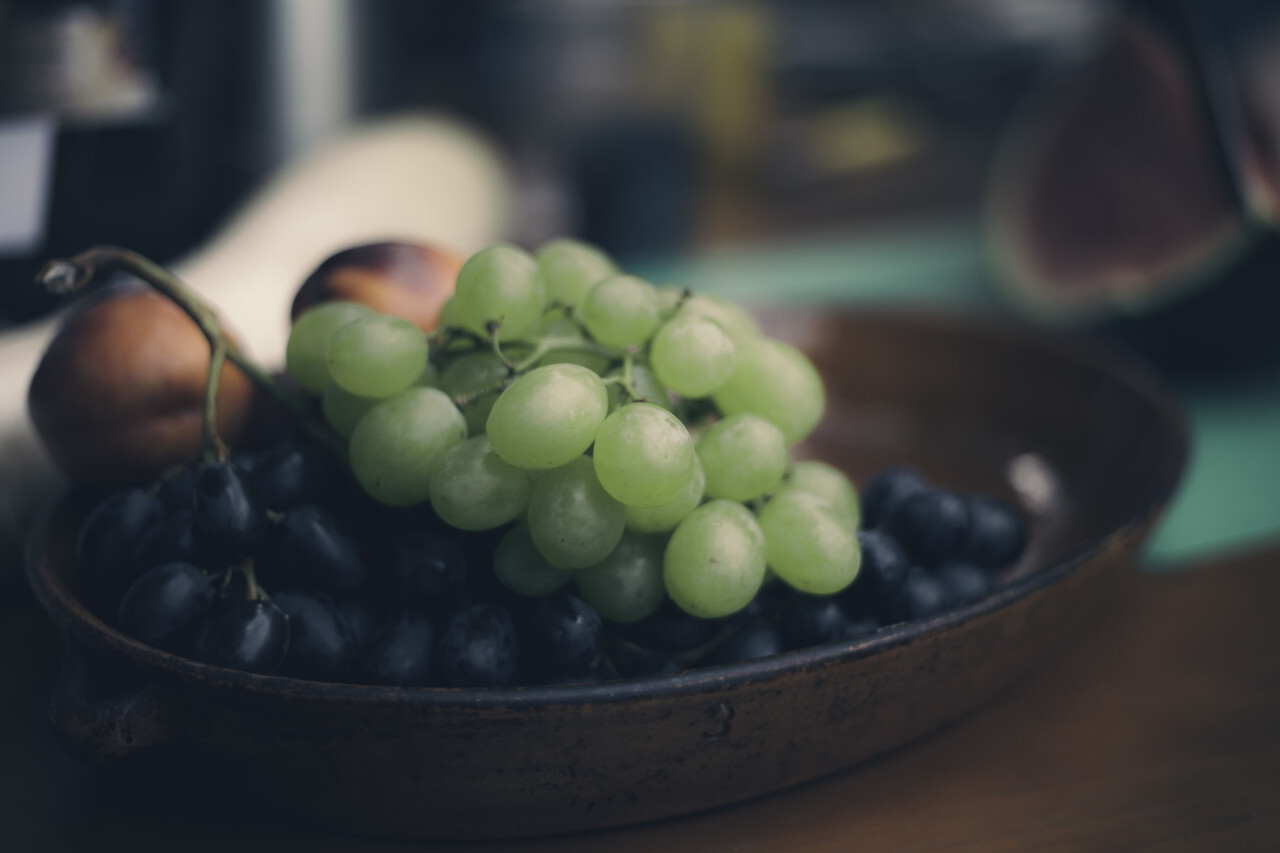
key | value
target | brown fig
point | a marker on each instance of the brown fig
(119, 395)
(408, 280)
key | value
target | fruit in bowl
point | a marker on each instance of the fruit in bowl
(625, 503)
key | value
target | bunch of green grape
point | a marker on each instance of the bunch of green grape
(633, 440)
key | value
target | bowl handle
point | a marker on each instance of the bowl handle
(107, 729)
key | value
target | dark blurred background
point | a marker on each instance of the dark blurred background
(648, 127)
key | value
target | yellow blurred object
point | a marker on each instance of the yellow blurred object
(861, 135)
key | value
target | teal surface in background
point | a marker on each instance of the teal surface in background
(1230, 495)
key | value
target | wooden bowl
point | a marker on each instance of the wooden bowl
(1089, 443)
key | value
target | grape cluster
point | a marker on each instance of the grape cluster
(577, 476)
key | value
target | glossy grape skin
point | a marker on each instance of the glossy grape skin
(521, 568)
(964, 582)
(377, 356)
(472, 488)
(396, 445)
(885, 491)
(112, 532)
(321, 645)
(620, 312)
(812, 620)
(252, 636)
(777, 382)
(401, 653)
(177, 490)
(807, 545)
(548, 417)
(744, 457)
(664, 517)
(290, 474)
(932, 525)
(164, 604)
(715, 560)
(500, 284)
(469, 375)
(479, 648)
(729, 316)
(315, 549)
(570, 268)
(564, 632)
(647, 387)
(230, 518)
(881, 575)
(573, 521)
(309, 339)
(692, 356)
(825, 481)
(997, 533)
(643, 455)
(627, 585)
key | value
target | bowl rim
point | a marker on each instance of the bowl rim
(82, 624)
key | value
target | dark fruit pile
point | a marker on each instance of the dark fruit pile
(275, 562)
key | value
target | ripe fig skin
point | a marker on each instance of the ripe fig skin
(408, 280)
(118, 397)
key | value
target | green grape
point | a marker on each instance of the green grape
(664, 517)
(714, 564)
(430, 377)
(643, 455)
(571, 268)
(670, 297)
(448, 317)
(621, 312)
(807, 544)
(557, 325)
(825, 481)
(548, 417)
(627, 585)
(377, 356)
(467, 376)
(343, 410)
(776, 382)
(572, 519)
(472, 489)
(647, 387)
(397, 443)
(736, 322)
(691, 355)
(309, 339)
(501, 285)
(522, 569)
(744, 457)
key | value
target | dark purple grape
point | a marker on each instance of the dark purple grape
(178, 490)
(880, 577)
(964, 582)
(997, 533)
(230, 520)
(885, 491)
(672, 630)
(564, 632)
(424, 568)
(321, 644)
(749, 643)
(289, 475)
(313, 549)
(932, 525)
(861, 625)
(809, 620)
(172, 539)
(362, 617)
(634, 661)
(252, 636)
(163, 607)
(401, 651)
(923, 595)
(110, 535)
(757, 609)
(479, 648)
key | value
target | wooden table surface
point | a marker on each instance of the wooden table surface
(1158, 730)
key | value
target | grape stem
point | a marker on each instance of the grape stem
(68, 276)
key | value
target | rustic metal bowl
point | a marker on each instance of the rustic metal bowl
(1087, 442)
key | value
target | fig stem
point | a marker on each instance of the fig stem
(68, 276)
